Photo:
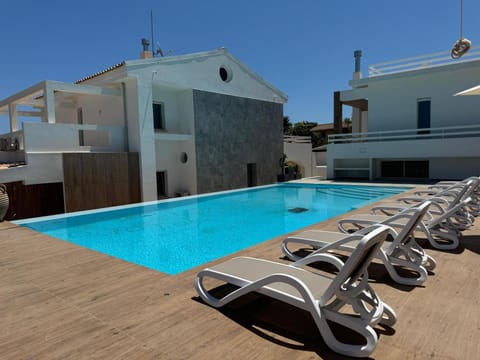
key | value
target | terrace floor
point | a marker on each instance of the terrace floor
(61, 301)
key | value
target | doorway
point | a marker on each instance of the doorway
(423, 116)
(161, 184)
(251, 174)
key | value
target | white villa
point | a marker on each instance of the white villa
(407, 123)
(198, 123)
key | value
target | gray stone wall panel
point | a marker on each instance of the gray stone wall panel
(231, 132)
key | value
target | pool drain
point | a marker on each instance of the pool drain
(297, 210)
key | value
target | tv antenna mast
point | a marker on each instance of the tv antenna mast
(158, 50)
(462, 45)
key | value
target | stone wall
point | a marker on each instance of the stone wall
(231, 132)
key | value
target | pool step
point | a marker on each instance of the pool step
(357, 193)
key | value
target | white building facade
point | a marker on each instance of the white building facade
(407, 123)
(199, 122)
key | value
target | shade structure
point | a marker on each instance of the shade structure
(472, 91)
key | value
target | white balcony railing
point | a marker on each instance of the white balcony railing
(297, 139)
(44, 137)
(450, 132)
(420, 62)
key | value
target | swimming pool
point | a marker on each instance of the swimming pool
(175, 235)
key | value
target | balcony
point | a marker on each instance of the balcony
(45, 137)
(450, 132)
(40, 147)
(361, 154)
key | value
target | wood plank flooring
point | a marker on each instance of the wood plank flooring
(61, 301)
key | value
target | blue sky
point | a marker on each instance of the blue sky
(304, 48)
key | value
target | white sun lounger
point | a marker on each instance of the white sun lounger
(403, 250)
(441, 185)
(474, 206)
(442, 230)
(441, 203)
(453, 193)
(324, 297)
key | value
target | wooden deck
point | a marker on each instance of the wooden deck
(61, 301)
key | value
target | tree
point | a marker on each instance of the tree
(303, 128)
(287, 126)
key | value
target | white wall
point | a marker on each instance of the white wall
(97, 109)
(178, 108)
(300, 153)
(181, 177)
(202, 73)
(41, 168)
(45, 137)
(179, 120)
(392, 99)
(185, 113)
(442, 153)
(320, 158)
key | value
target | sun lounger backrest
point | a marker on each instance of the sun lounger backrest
(417, 214)
(355, 267)
(464, 191)
(450, 212)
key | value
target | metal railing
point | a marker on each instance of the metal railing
(409, 134)
(420, 62)
(297, 139)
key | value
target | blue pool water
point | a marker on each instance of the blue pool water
(174, 236)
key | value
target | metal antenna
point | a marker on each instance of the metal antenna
(461, 19)
(151, 30)
(158, 50)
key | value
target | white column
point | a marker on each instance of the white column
(141, 135)
(356, 120)
(49, 98)
(12, 114)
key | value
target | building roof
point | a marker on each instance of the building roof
(177, 59)
(116, 66)
(325, 127)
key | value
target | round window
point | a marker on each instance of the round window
(225, 73)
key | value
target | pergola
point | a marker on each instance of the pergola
(41, 99)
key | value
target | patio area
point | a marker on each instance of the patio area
(61, 301)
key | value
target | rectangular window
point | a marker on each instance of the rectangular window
(423, 116)
(161, 184)
(417, 169)
(81, 136)
(158, 116)
(392, 169)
